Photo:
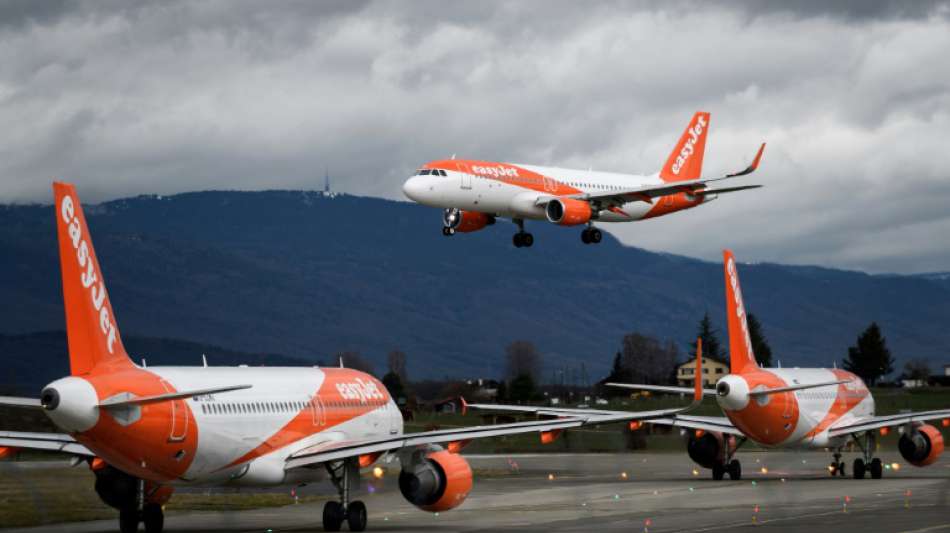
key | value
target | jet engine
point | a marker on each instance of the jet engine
(439, 482)
(6, 452)
(707, 448)
(922, 446)
(568, 212)
(466, 221)
(119, 490)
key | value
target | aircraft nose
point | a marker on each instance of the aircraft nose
(414, 188)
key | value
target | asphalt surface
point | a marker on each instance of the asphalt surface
(629, 492)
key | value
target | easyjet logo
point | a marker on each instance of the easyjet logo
(689, 146)
(740, 307)
(496, 171)
(359, 390)
(88, 276)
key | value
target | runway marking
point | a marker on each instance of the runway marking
(932, 528)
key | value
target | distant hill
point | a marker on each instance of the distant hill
(305, 275)
(31, 361)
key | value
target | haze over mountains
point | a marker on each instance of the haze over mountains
(307, 276)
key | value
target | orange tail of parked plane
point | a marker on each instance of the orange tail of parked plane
(686, 159)
(90, 322)
(741, 356)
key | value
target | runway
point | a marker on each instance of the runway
(780, 491)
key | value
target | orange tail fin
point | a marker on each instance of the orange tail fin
(91, 330)
(741, 357)
(686, 159)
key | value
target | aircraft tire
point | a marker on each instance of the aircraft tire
(735, 470)
(877, 468)
(332, 516)
(129, 521)
(595, 236)
(718, 471)
(153, 518)
(356, 516)
(527, 240)
(516, 240)
(585, 236)
(858, 468)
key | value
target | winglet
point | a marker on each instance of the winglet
(751, 168)
(698, 390)
(464, 405)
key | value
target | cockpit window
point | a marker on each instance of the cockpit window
(441, 172)
(424, 172)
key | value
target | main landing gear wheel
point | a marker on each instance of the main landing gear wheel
(858, 468)
(522, 239)
(356, 516)
(718, 471)
(129, 521)
(153, 517)
(734, 468)
(877, 468)
(333, 516)
(591, 236)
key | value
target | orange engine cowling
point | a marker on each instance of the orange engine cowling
(922, 447)
(707, 448)
(466, 221)
(438, 483)
(568, 212)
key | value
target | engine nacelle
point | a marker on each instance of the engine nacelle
(922, 446)
(706, 448)
(568, 212)
(466, 221)
(119, 490)
(438, 483)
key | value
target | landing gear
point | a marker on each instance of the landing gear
(836, 466)
(734, 468)
(344, 475)
(719, 471)
(447, 231)
(129, 521)
(153, 517)
(591, 235)
(522, 239)
(868, 464)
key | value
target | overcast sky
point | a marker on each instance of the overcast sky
(165, 97)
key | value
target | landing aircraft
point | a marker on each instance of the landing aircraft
(145, 430)
(782, 408)
(474, 193)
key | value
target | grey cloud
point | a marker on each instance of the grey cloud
(129, 98)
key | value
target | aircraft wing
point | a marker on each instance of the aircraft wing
(876, 422)
(705, 423)
(648, 192)
(53, 442)
(322, 453)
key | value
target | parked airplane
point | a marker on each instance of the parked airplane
(782, 408)
(474, 193)
(144, 430)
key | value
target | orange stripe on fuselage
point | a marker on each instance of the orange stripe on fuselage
(506, 173)
(337, 410)
(845, 401)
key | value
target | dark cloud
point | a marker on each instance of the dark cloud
(128, 98)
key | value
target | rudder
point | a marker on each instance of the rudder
(686, 160)
(741, 356)
(91, 331)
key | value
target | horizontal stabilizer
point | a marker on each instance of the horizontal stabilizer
(12, 401)
(141, 400)
(763, 392)
(725, 190)
(661, 388)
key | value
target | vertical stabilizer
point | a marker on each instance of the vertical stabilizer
(686, 159)
(741, 357)
(93, 337)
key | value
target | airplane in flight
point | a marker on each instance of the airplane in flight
(800, 408)
(145, 430)
(473, 194)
